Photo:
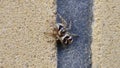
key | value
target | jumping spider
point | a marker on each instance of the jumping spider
(61, 33)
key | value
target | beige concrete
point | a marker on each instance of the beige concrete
(106, 34)
(22, 41)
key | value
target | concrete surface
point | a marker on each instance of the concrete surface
(78, 54)
(24, 45)
(106, 34)
(22, 42)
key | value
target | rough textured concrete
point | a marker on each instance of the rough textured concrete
(22, 42)
(78, 54)
(106, 34)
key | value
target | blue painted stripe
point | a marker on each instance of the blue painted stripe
(78, 54)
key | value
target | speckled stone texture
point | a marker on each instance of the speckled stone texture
(78, 54)
(22, 41)
(106, 34)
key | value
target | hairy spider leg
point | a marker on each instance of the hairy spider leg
(63, 20)
(65, 23)
(75, 35)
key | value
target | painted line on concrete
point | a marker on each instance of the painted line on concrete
(78, 54)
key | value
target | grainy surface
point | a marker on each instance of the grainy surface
(78, 54)
(106, 34)
(22, 42)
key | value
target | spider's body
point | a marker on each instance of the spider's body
(60, 28)
(61, 32)
(67, 39)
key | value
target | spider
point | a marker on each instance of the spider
(61, 33)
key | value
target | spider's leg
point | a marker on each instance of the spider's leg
(53, 26)
(58, 38)
(51, 33)
(75, 35)
(48, 33)
(63, 20)
(69, 26)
